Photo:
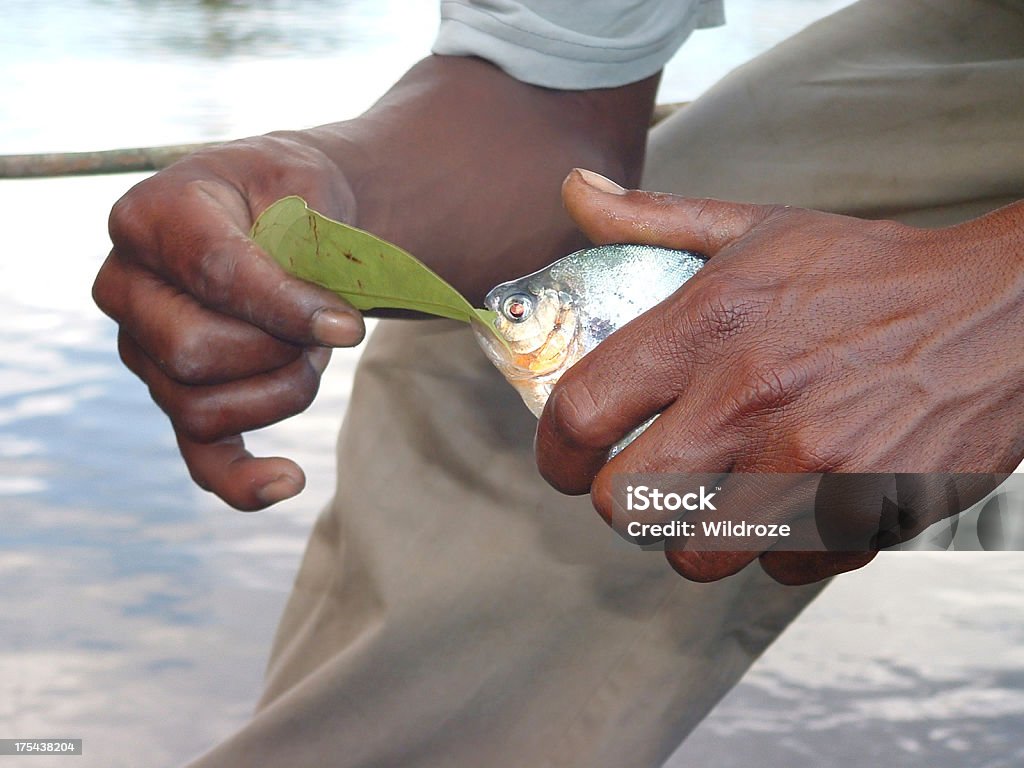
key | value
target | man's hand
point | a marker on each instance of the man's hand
(459, 163)
(224, 338)
(811, 342)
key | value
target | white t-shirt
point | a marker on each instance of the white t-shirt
(573, 44)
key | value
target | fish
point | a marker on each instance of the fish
(545, 322)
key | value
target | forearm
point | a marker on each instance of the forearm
(462, 164)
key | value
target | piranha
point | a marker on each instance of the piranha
(546, 321)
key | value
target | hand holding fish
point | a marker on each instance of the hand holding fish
(810, 342)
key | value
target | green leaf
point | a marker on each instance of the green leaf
(366, 271)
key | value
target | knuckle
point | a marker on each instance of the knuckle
(200, 419)
(277, 160)
(768, 381)
(125, 352)
(777, 211)
(104, 290)
(814, 453)
(129, 223)
(305, 388)
(302, 156)
(602, 497)
(187, 359)
(214, 269)
(215, 274)
(766, 387)
(726, 309)
(575, 415)
(806, 449)
(799, 445)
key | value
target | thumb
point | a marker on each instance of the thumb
(607, 213)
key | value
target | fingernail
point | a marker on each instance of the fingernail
(337, 329)
(284, 487)
(600, 183)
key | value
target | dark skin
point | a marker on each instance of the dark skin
(810, 342)
(227, 342)
(461, 164)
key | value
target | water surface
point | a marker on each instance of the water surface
(138, 610)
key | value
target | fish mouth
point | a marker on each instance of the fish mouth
(501, 356)
(496, 350)
(531, 388)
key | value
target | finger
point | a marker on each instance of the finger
(663, 355)
(678, 453)
(206, 253)
(868, 511)
(228, 470)
(753, 512)
(210, 413)
(607, 213)
(186, 340)
(796, 568)
(920, 500)
(917, 502)
(748, 512)
(836, 532)
(588, 412)
(706, 567)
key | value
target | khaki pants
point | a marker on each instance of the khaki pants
(452, 610)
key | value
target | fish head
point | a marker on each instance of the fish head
(534, 334)
(545, 322)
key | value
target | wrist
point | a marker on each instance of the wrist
(462, 165)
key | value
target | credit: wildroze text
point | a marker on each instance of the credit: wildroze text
(641, 498)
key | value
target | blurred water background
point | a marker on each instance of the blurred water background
(136, 611)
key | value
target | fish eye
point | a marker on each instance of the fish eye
(517, 307)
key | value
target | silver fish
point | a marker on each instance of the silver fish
(550, 319)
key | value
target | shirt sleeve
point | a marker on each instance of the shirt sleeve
(571, 44)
